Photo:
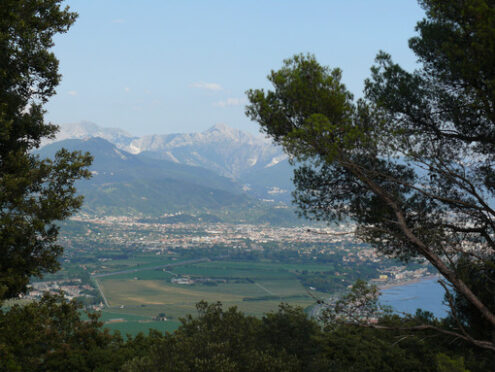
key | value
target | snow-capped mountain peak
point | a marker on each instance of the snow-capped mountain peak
(228, 151)
(251, 160)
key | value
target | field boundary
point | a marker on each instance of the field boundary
(265, 289)
(199, 260)
(101, 293)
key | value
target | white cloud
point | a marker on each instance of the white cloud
(119, 20)
(229, 102)
(127, 89)
(207, 86)
(72, 92)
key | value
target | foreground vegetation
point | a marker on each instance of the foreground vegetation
(219, 339)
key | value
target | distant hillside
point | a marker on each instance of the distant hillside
(124, 183)
(128, 184)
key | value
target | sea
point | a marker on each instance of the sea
(425, 294)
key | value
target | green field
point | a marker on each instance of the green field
(254, 287)
(135, 262)
(133, 324)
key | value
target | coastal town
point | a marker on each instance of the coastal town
(96, 246)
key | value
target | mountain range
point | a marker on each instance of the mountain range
(252, 161)
(221, 171)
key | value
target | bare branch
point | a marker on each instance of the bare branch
(453, 310)
(424, 327)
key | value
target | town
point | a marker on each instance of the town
(96, 247)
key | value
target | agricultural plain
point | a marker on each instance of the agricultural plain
(254, 287)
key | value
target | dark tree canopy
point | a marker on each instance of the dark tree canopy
(286, 340)
(412, 163)
(34, 193)
(50, 335)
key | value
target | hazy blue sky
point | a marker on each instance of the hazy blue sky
(162, 66)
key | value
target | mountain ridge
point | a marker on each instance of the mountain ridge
(123, 183)
(229, 152)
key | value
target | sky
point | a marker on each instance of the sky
(155, 66)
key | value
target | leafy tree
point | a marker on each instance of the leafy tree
(411, 163)
(359, 305)
(446, 364)
(286, 340)
(216, 340)
(354, 348)
(480, 276)
(50, 335)
(290, 329)
(34, 193)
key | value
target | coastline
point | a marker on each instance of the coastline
(407, 282)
